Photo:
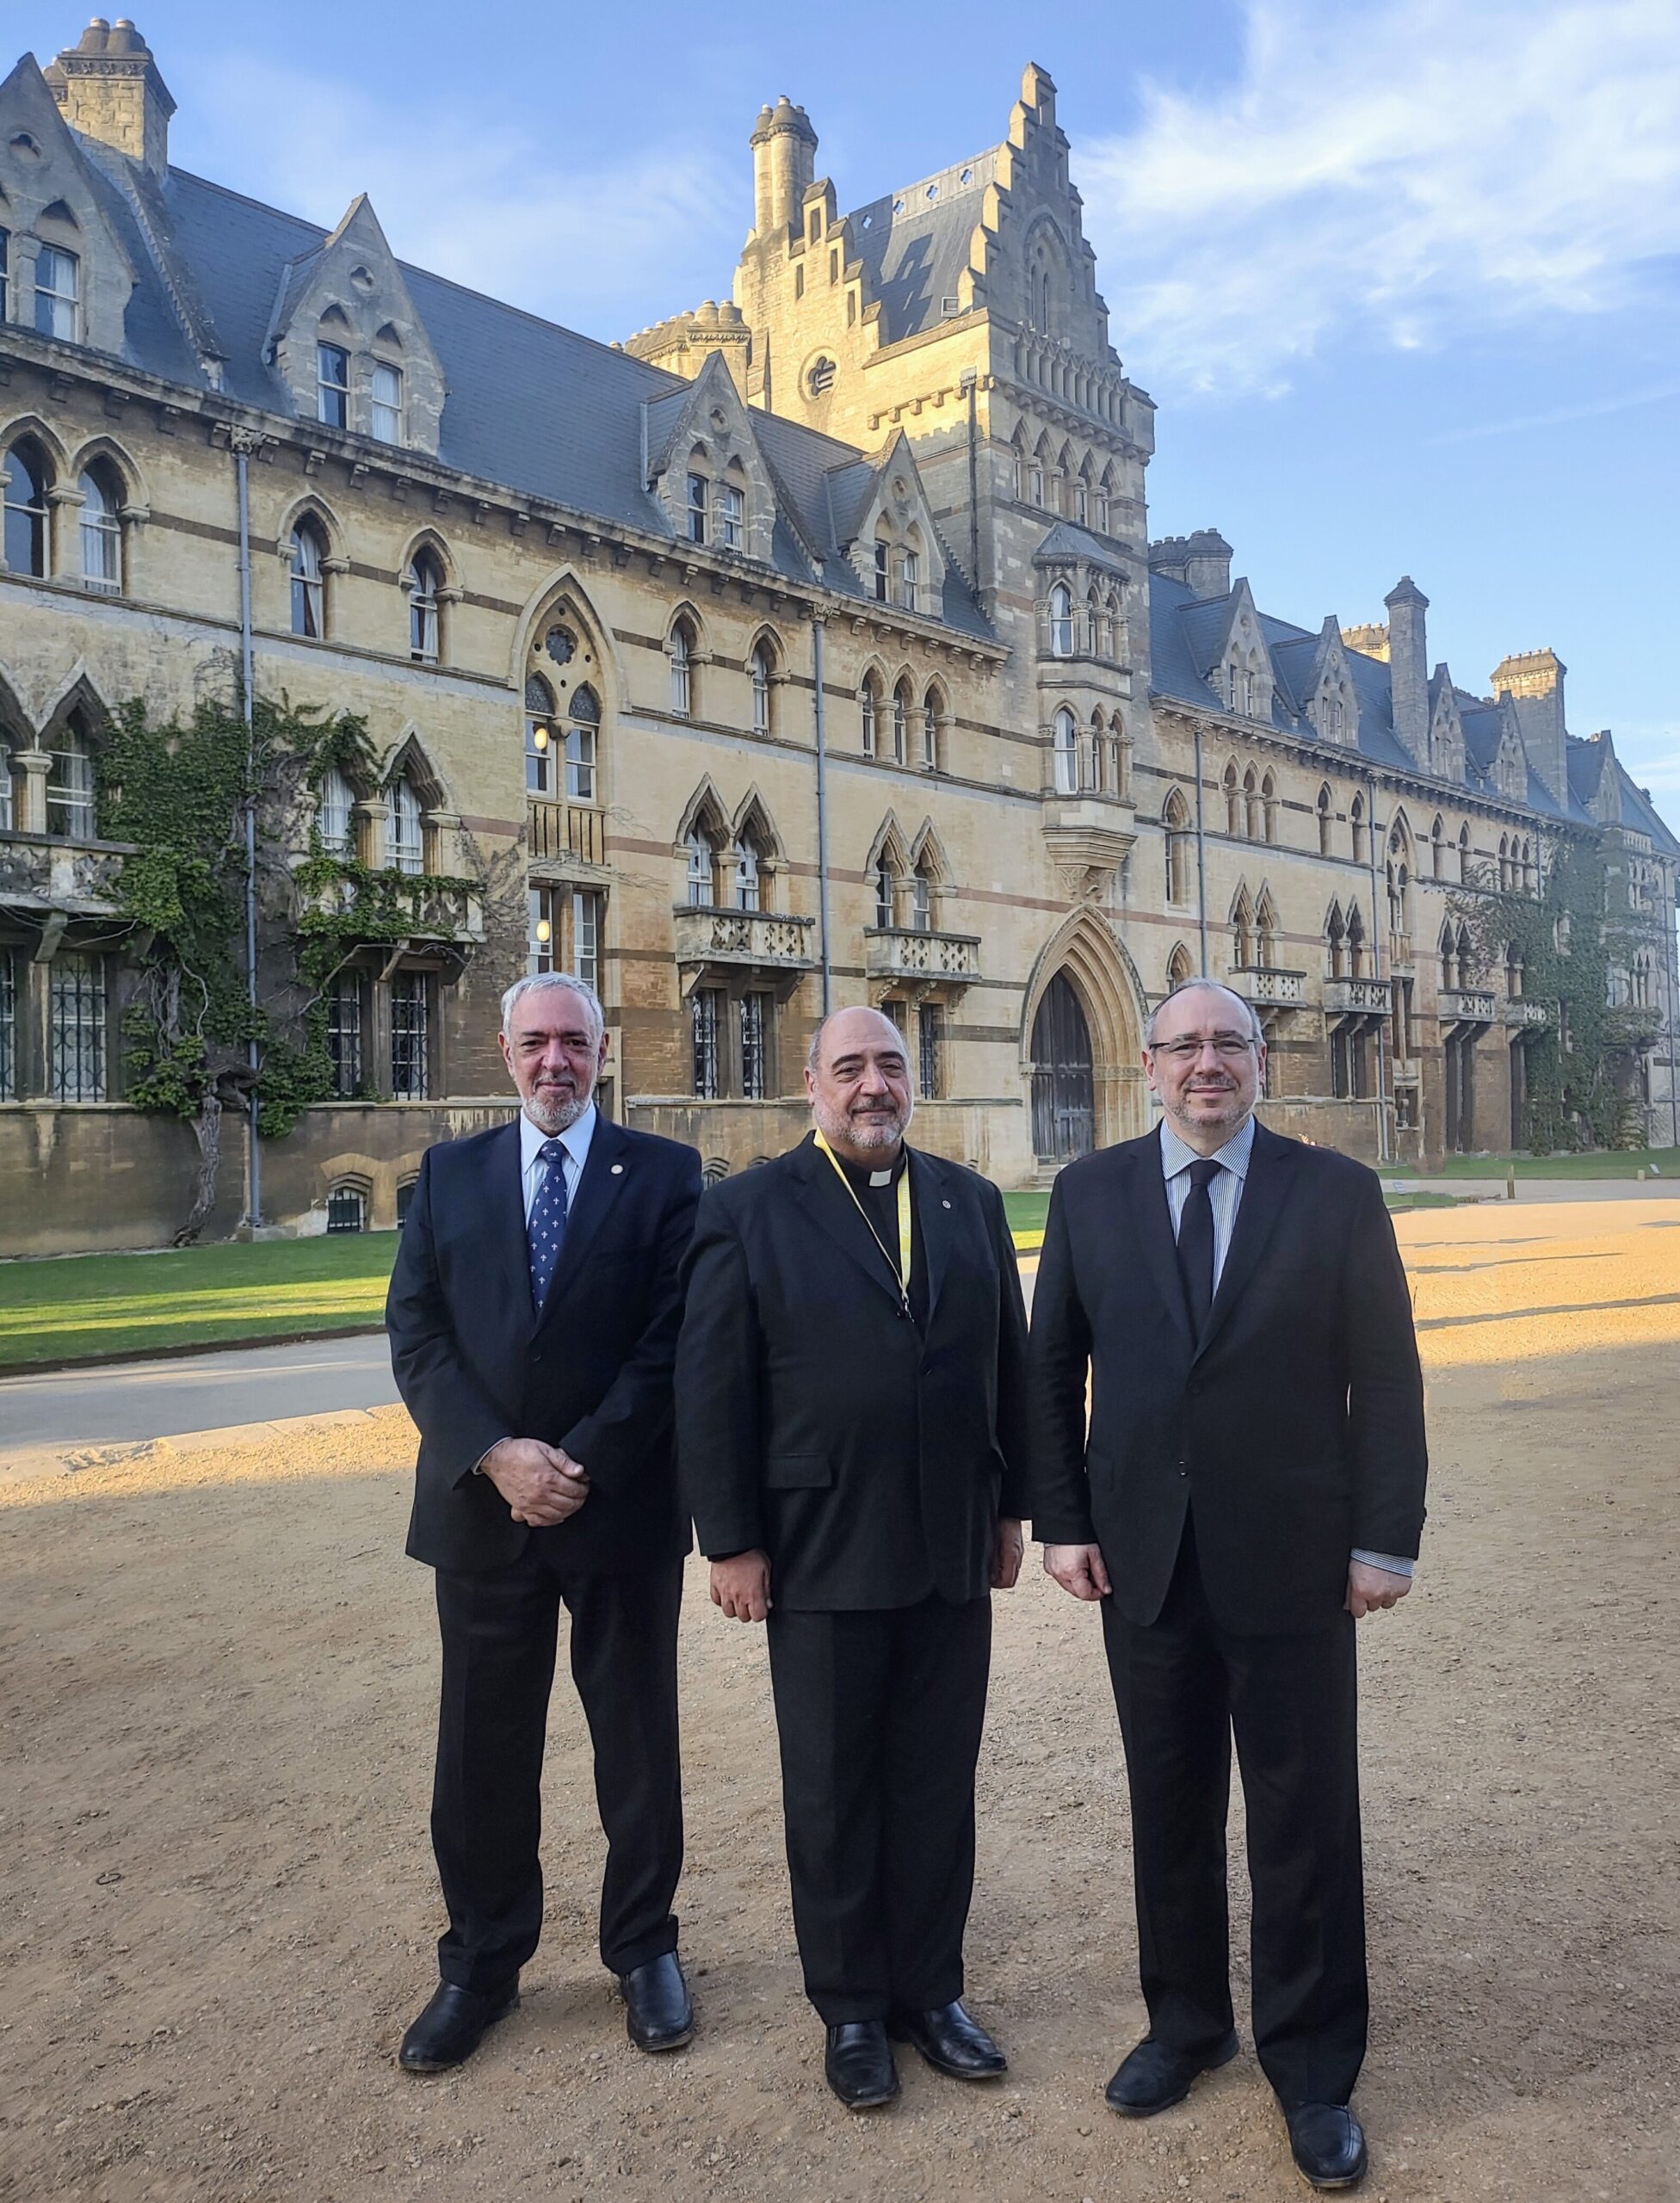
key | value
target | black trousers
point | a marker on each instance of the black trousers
(1181, 1687)
(879, 1716)
(499, 1633)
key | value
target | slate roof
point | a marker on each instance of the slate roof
(1064, 540)
(916, 255)
(1187, 632)
(532, 406)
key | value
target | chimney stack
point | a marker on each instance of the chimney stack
(1534, 679)
(1408, 667)
(1202, 561)
(108, 88)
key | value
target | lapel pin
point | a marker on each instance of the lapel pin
(944, 1204)
(618, 1169)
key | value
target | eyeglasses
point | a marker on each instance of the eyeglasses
(1230, 1045)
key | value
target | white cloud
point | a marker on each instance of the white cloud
(558, 224)
(1390, 172)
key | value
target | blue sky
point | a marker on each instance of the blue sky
(1403, 276)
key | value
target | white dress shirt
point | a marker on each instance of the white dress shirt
(1224, 1195)
(533, 1170)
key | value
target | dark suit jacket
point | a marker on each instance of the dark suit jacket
(1296, 1432)
(815, 1420)
(592, 1373)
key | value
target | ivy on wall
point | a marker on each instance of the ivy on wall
(178, 793)
(1578, 1087)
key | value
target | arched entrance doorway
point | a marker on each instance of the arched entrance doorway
(1064, 1086)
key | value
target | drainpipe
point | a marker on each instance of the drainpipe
(244, 441)
(1200, 860)
(1378, 935)
(822, 816)
(967, 383)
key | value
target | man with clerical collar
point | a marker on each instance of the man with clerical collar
(851, 1419)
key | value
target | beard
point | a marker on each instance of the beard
(554, 1109)
(866, 1128)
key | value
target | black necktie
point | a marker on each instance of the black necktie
(1195, 1243)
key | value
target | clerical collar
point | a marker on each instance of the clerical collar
(862, 1174)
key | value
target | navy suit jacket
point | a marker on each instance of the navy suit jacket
(591, 1372)
(1294, 1430)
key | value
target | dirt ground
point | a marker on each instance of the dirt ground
(217, 1905)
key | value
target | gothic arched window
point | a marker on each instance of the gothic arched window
(583, 735)
(309, 589)
(26, 481)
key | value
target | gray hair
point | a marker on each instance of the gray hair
(814, 1054)
(1256, 1032)
(540, 983)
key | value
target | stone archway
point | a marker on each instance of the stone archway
(1083, 1005)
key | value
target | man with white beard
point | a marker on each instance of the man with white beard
(851, 1422)
(532, 1317)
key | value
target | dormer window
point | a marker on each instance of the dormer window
(387, 413)
(909, 574)
(332, 386)
(883, 572)
(58, 291)
(698, 486)
(732, 516)
(5, 274)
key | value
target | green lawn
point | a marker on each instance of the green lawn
(101, 1307)
(104, 1307)
(1625, 1163)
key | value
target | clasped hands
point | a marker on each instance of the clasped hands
(741, 1585)
(542, 1483)
(1082, 1572)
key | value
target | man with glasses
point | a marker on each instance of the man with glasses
(1251, 1484)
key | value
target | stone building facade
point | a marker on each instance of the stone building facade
(808, 647)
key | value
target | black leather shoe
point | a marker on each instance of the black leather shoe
(857, 2064)
(1155, 2076)
(1328, 2143)
(453, 2026)
(952, 2042)
(657, 2012)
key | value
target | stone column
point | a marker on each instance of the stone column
(36, 766)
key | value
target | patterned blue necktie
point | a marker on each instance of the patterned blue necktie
(544, 1229)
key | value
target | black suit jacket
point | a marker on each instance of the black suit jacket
(817, 1421)
(1296, 1431)
(592, 1373)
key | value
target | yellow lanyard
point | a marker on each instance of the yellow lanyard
(900, 1269)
